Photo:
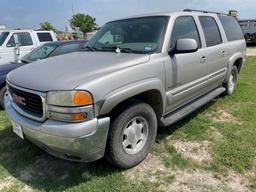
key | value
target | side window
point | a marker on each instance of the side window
(24, 39)
(44, 37)
(185, 27)
(231, 27)
(211, 31)
(66, 49)
(13, 41)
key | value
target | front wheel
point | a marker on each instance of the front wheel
(131, 136)
(232, 82)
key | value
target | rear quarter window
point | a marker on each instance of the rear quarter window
(231, 27)
(44, 37)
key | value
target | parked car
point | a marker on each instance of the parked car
(14, 44)
(44, 51)
(249, 30)
(136, 73)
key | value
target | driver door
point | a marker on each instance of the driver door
(187, 71)
(20, 44)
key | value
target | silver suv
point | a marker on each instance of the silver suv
(134, 75)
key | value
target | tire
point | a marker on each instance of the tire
(135, 122)
(231, 84)
(2, 94)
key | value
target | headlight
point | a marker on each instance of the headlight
(71, 106)
(69, 98)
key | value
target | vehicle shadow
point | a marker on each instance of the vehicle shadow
(164, 132)
(39, 170)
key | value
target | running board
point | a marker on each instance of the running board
(177, 115)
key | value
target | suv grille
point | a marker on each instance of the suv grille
(29, 102)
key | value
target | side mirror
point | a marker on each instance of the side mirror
(184, 46)
(17, 49)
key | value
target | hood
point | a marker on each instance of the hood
(69, 71)
(6, 68)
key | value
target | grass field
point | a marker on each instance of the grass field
(211, 150)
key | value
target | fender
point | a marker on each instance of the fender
(123, 93)
(231, 62)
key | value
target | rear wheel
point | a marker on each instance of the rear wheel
(232, 82)
(131, 135)
(2, 94)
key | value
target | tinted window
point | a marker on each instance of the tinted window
(211, 31)
(231, 27)
(185, 27)
(23, 39)
(67, 49)
(44, 37)
(3, 36)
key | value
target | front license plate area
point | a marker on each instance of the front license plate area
(17, 129)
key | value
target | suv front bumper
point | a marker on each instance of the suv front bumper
(85, 141)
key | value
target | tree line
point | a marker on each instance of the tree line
(85, 23)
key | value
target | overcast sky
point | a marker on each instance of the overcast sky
(30, 13)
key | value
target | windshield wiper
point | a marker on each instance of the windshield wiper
(24, 61)
(89, 48)
(118, 49)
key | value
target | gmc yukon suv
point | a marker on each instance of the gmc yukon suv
(135, 75)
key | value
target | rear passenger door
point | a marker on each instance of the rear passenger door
(216, 51)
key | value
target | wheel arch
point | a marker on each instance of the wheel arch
(148, 91)
(237, 60)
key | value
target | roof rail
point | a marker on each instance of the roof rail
(203, 11)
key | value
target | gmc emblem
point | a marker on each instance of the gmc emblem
(18, 100)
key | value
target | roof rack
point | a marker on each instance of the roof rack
(203, 11)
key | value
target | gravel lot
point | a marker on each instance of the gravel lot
(251, 52)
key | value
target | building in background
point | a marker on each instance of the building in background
(69, 29)
(249, 29)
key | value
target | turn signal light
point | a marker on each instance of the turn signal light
(79, 116)
(82, 98)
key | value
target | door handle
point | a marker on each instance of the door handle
(203, 59)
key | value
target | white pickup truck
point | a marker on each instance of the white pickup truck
(14, 44)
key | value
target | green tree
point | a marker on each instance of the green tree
(85, 23)
(48, 26)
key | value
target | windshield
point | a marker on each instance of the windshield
(39, 53)
(3, 36)
(137, 35)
